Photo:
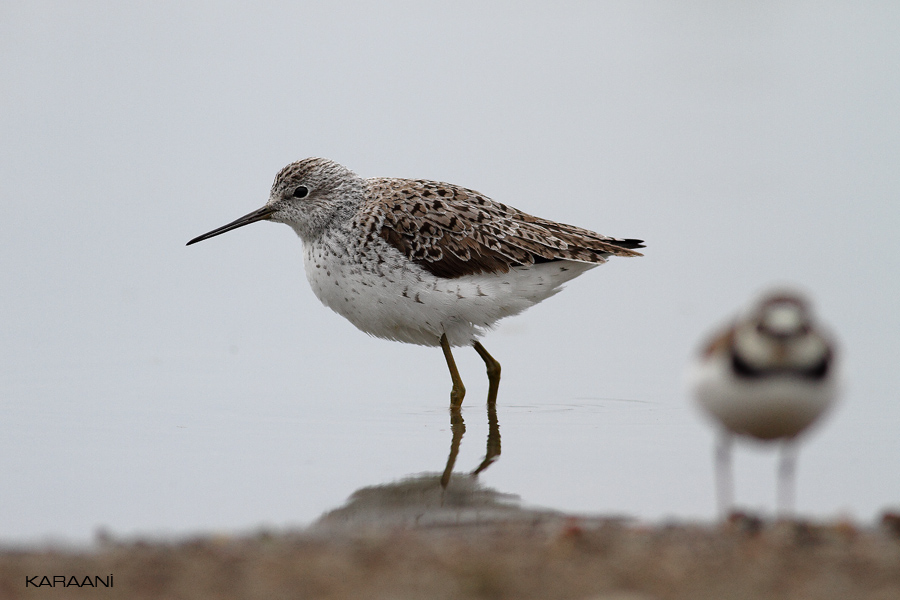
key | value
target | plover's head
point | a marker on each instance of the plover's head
(308, 195)
(779, 336)
(782, 315)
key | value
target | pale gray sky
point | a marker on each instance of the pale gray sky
(149, 387)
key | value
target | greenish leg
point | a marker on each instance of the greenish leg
(493, 372)
(493, 441)
(459, 390)
(457, 426)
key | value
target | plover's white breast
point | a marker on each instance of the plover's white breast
(767, 408)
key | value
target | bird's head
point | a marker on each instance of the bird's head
(309, 195)
(780, 333)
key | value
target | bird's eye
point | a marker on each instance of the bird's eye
(301, 191)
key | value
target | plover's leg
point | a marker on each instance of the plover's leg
(459, 390)
(493, 441)
(458, 427)
(724, 482)
(786, 478)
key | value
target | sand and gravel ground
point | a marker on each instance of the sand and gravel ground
(410, 540)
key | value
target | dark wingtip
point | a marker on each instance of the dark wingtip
(629, 243)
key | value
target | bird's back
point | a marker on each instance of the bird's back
(453, 231)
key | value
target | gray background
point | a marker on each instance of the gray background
(150, 388)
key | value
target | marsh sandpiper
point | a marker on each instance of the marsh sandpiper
(424, 262)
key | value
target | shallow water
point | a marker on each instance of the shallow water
(135, 456)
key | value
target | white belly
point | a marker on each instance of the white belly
(385, 295)
(765, 408)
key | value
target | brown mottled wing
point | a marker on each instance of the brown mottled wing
(453, 231)
(720, 343)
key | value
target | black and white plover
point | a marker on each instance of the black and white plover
(767, 376)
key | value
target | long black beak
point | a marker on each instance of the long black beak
(261, 214)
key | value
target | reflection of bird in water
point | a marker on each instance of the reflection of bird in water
(768, 376)
(424, 262)
(419, 501)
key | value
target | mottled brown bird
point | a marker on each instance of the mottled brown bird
(424, 262)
